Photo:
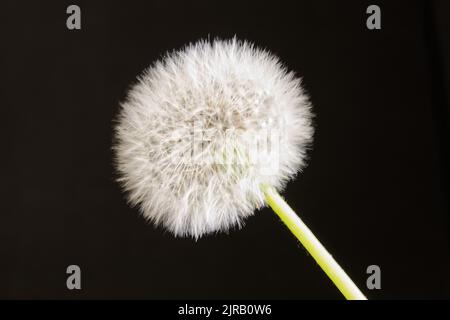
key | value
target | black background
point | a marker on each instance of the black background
(375, 191)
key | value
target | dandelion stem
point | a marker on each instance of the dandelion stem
(312, 245)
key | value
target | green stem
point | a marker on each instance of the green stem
(312, 245)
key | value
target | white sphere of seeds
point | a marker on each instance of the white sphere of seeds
(203, 129)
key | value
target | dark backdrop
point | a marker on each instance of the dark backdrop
(375, 191)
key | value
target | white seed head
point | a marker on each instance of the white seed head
(203, 129)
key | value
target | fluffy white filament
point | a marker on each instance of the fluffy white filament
(203, 129)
